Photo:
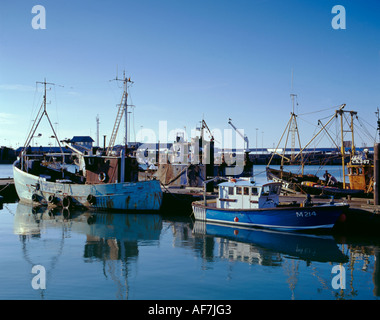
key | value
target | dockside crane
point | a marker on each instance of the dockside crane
(243, 136)
(205, 126)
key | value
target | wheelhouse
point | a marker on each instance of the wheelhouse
(245, 194)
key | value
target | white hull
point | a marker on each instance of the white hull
(142, 195)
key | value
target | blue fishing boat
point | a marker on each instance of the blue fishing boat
(102, 181)
(242, 202)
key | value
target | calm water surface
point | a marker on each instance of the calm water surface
(90, 255)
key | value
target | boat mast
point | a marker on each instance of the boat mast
(352, 114)
(378, 122)
(342, 148)
(123, 109)
(41, 112)
(293, 128)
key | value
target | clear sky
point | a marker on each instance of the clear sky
(188, 59)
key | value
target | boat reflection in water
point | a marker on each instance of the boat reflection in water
(267, 246)
(112, 239)
(32, 221)
(98, 255)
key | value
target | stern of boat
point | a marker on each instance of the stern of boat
(199, 210)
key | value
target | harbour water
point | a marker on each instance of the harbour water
(116, 256)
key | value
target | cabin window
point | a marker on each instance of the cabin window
(270, 190)
(231, 191)
(246, 191)
(360, 171)
(274, 189)
(238, 190)
(265, 191)
(254, 191)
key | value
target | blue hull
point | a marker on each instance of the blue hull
(283, 218)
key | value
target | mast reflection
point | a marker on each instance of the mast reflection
(111, 238)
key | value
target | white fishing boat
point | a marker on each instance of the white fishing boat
(103, 181)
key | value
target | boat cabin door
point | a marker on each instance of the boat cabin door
(242, 197)
(247, 197)
(270, 195)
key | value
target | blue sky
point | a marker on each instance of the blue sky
(188, 60)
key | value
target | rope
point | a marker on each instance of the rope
(365, 130)
(264, 171)
(8, 184)
(319, 110)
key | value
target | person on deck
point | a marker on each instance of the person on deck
(332, 180)
(326, 176)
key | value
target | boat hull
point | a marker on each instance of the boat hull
(281, 218)
(295, 183)
(142, 195)
(336, 192)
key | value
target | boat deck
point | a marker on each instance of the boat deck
(355, 203)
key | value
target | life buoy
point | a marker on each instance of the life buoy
(66, 213)
(102, 177)
(91, 199)
(52, 199)
(91, 219)
(233, 180)
(66, 202)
